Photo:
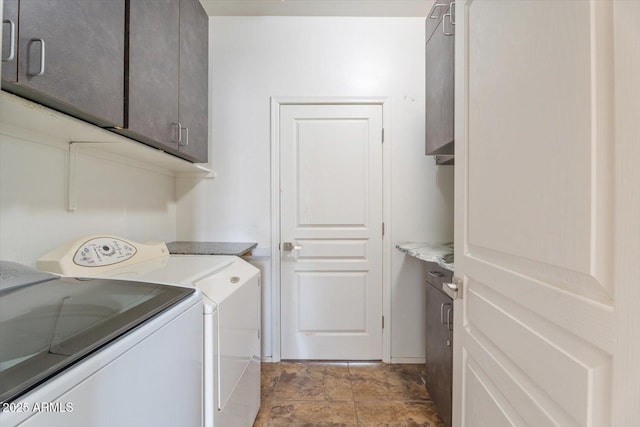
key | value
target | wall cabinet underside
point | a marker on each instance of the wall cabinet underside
(139, 68)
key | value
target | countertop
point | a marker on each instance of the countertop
(211, 248)
(440, 253)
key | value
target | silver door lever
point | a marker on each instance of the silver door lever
(289, 246)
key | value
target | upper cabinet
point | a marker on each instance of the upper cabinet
(135, 67)
(194, 79)
(68, 55)
(167, 78)
(439, 53)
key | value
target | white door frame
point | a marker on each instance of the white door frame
(387, 247)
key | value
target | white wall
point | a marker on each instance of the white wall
(254, 58)
(113, 198)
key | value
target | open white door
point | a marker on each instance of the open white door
(331, 231)
(543, 161)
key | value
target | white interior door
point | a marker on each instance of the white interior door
(534, 341)
(331, 214)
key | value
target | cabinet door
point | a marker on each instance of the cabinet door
(154, 49)
(439, 351)
(10, 41)
(439, 8)
(71, 57)
(439, 89)
(194, 79)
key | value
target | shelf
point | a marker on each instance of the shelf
(22, 118)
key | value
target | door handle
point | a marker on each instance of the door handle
(450, 319)
(442, 307)
(434, 8)
(42, 57)
(444, 24)
(291, 246)
(186, 140)
(12, 40)
(453, 289)
(179, 127)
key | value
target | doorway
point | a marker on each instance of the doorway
(328, 229)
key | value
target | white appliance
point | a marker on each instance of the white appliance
(231, 294)
(98, 352)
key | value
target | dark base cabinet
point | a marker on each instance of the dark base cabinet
(439, 347)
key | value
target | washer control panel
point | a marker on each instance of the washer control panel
(104, 251)
(91, 255)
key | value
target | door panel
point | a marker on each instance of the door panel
(194, 79)
(439, 87)
(534, 185)
(341, 293)
(83, 54)
(331, 207)
(154, 61)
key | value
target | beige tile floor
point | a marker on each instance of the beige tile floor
(344, 394)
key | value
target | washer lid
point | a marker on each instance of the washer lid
(13, 275)
(47, 327)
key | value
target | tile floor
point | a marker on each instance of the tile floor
(344, 394)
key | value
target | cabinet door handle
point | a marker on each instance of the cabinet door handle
(42, 57)
(179, 126)
(435, 274)
(454, 290)
(450, 319)
(12, 40)
(186, 140)
(434, 8)
(442, 306)
(444, 23)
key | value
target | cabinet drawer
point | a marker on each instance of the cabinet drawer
(437, 275)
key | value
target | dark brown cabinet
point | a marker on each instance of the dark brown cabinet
(439, 341)
(194, 79)
(439, 57)
(167, 77)
(136, 67)
(68, 56)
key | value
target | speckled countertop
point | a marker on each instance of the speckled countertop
(440, 253)
(211, 248)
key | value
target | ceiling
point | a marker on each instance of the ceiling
(382, 8)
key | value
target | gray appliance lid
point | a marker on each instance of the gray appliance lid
(14, 275)
(48, 326)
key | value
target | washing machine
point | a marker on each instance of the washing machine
(98, 352)
(231, 293)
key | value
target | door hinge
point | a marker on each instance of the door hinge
(383, 229)
(383, 135)
(382, 322)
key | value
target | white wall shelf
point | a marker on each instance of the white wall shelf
(22, 118)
